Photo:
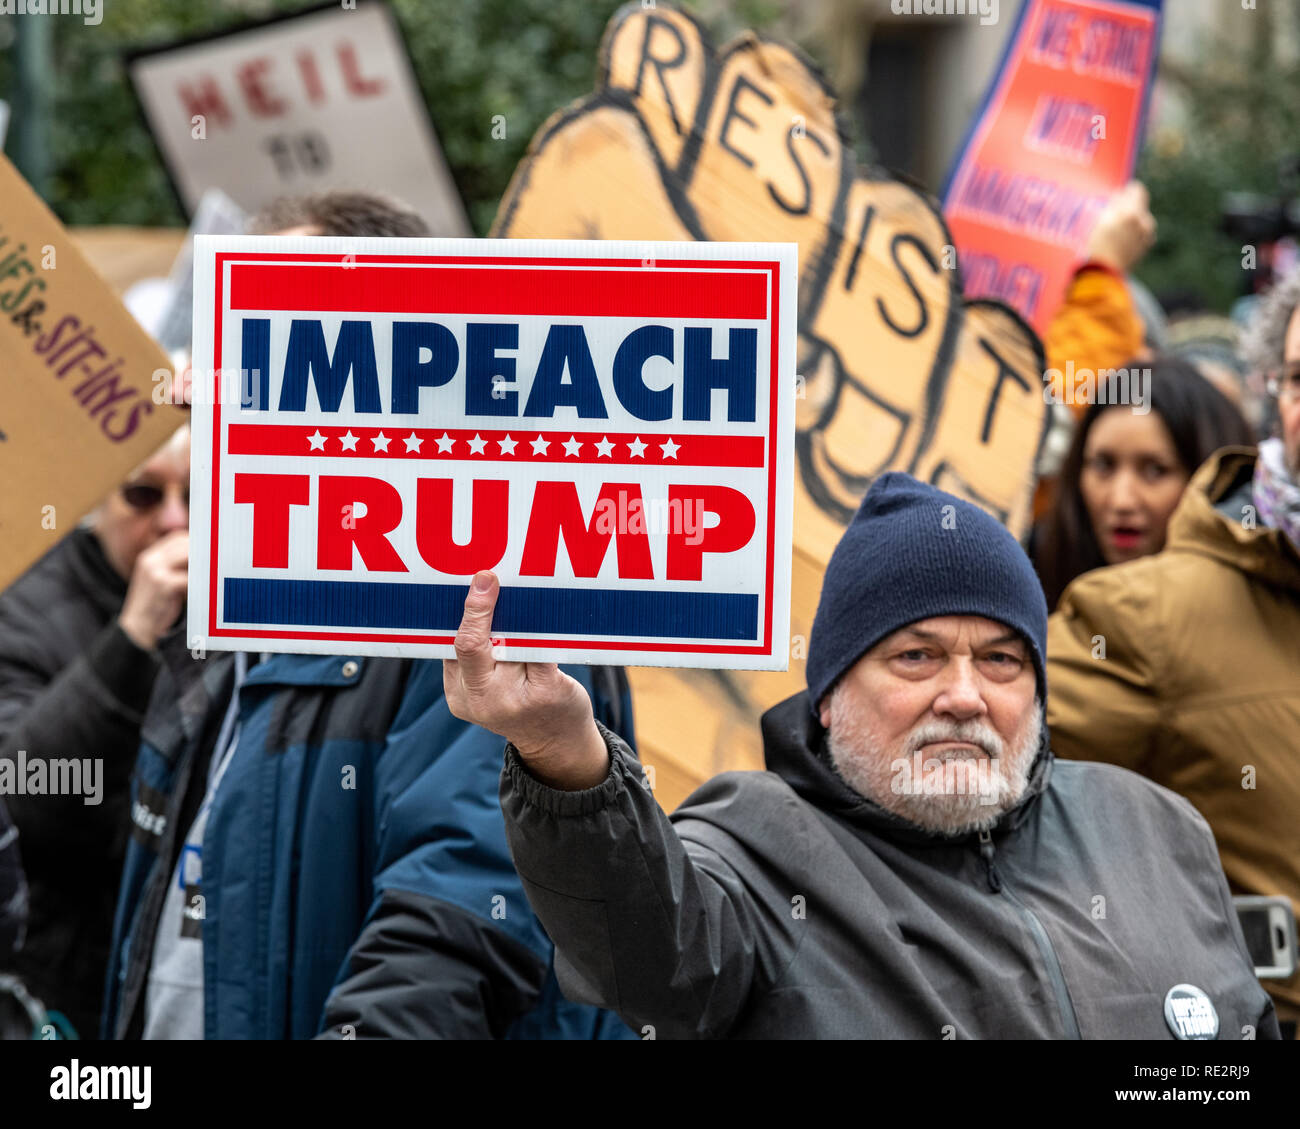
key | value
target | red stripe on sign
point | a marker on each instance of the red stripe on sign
(517, 446)
(502, 291)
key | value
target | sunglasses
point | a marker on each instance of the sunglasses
(142, 497)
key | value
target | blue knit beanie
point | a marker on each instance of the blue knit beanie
(906, 557)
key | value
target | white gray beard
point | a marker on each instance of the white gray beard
(952, 794)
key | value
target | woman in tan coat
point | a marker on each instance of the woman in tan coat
(1185, 666)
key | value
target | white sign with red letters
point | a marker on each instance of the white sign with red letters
(607, 425)
(320, 99)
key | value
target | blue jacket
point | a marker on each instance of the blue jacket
(356, 877)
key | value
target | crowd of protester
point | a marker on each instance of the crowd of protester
(329, 846)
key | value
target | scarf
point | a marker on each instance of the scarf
(1276, 491)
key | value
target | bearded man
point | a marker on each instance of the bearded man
(913, 864)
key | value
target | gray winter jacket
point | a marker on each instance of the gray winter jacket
(781, 904)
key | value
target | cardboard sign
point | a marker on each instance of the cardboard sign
(1057, 135)
(321, 99)
(77, 382)
(896, 371)
(608, 426)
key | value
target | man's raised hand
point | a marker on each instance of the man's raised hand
(538, 708)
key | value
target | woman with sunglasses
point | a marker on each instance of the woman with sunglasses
(79, 634)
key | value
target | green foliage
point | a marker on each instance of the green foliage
(522, 59)
(1242, 118)
(474, 59)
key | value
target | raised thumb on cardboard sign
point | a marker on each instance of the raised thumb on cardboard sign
(898, 372)
(680, 141)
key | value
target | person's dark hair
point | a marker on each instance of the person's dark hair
(340, 213)
(1200, 420)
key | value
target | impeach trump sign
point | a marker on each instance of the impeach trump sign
(608, 426)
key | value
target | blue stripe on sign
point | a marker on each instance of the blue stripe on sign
(520, 611)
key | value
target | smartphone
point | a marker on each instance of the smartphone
(1269, 926)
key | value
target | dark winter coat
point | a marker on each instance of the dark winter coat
(13, 887)
(356, 880)
(782, 904)
(72, 685)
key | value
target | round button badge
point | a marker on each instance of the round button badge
(1190, 1014)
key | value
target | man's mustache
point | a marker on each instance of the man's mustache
(972, 733)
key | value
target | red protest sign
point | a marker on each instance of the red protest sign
(1058, 134)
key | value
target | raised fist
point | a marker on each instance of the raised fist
(899, 373)
(1125, 230)
(681, 142)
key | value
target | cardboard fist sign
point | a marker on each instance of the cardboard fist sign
(682, 142)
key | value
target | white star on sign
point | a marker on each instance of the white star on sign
(412, 442)
(572, 447)
(637, 448)
(349, 441)
(381, 442)
(507, 445)
(670, 448)
(317, 441)
(540, 445)
(446, 443)
(477, 444)
(604, 447)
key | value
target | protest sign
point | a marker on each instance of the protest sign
(217, 214)
(1057, 135)
(78, 379)
(607, 426)
(320, 99)
(896, 371)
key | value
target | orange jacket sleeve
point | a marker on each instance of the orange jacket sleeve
(1097, 327)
